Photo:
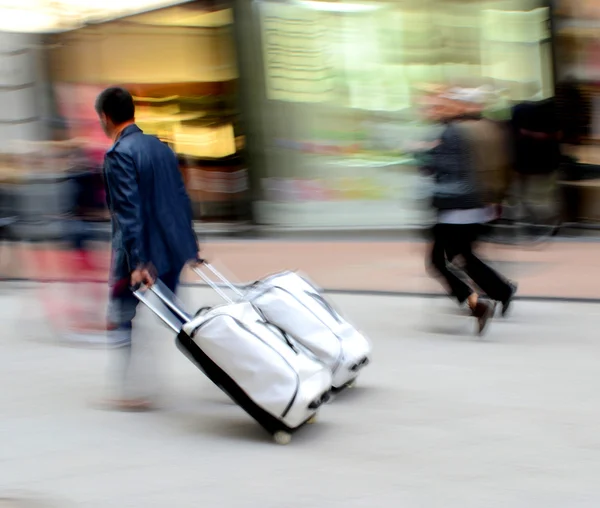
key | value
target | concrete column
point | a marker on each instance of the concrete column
(21, 96)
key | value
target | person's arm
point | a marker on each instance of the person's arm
(122, 182)
(437, 152)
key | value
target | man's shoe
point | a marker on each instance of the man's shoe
(506, 303)
(483, 312)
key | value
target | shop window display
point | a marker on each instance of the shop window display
(180, 65)
(342, 85)
(578, 57)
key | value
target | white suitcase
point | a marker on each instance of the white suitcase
(297, 307)
(273, 379)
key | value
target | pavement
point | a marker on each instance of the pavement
(559, 269)
(441, 418)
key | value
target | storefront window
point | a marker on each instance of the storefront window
(341, 88)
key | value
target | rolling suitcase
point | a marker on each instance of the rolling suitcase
(297, 307)
(268, 375)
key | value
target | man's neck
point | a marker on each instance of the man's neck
(119, 130)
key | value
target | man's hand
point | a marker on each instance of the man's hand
(142, 276)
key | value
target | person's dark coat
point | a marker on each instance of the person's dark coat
(536, 131)
(451, 165)
(151, 211)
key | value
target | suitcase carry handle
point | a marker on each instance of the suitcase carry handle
(283, 334)
(215, 285)
(169, 301)
(286, 337)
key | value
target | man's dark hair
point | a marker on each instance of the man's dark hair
(117, 104)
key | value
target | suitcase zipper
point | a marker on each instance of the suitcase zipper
(284, 335)
(268, 324)
(323, 303)
(247, 329)
(319, 299)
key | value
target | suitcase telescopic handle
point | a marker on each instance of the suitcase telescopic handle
(202, 263)
(167, 298)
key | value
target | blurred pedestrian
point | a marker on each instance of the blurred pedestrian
(537, 135)
(87, 209)
(153, 233)
(464, 203)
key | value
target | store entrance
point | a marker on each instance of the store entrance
(180, 65)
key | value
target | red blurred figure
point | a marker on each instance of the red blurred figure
(86, 318)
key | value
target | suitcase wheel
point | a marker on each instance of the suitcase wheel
(312, 420)
(282, 438)
(335, 390)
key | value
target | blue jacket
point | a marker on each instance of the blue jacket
(151, 211)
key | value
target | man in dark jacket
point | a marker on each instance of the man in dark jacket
(151, 219)
(462, 210)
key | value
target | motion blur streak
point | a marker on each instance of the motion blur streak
(304, 131)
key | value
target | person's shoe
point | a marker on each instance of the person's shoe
(117, 339)
(483, 312)
(506, 303)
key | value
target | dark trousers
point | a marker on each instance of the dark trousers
(123, 305)
(457, 240)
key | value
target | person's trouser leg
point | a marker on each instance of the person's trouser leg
(447, 243)
(122, 310)
(487, 279)
(132, 356)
